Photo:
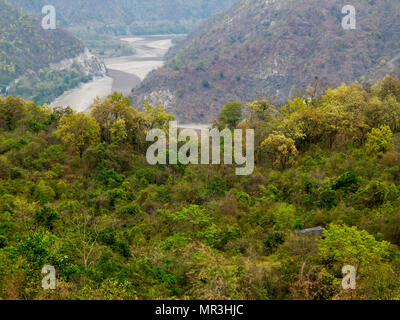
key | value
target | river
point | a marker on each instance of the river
(123, 73)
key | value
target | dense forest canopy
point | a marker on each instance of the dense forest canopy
(77, 193)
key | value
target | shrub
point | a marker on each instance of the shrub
(216, 186)
(46, 217)
(131, 209)
(3, 241)
(347, 180)
(272, 241)
(205, 84)
(4, 168)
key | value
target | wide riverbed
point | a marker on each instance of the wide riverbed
(124, 73)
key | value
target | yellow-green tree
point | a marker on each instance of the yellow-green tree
(261, 117)
(305, 125)
(294, 105)
(348, 245)
(379, 141)
(78, 132)
(344, 112)
(118, 132)
(343, 245)
(156, 116)
(389, 86)
(260, 110)
(281, 150)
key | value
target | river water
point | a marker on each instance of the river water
(124, 73)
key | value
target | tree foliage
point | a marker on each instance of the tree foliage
(79, 131)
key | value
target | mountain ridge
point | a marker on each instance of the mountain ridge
(124, 17)
(273, 49)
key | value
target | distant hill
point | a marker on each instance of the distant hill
(39, 64)
(89, 18)
(273, 49)
(25, 46)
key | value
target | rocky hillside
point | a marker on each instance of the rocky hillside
(274, 48)
(89, 18)
(39, 64)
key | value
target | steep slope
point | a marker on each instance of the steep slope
(270, 48)
(39, 64)
(119, 17)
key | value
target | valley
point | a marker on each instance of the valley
(123, 73)
(274, 50)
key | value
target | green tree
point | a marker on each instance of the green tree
(11, 111)
(118, 132)
(344, 245)
(230, 115)
(389, 86)
(115, 108)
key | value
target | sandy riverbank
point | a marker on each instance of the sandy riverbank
(124, 73)
(81, 97)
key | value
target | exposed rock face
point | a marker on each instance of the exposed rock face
(86, 62)
(163, 97)
(273, 49)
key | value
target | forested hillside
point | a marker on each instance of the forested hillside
(92, 18)
(26, 53)
(274, 49)
(77, 193)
